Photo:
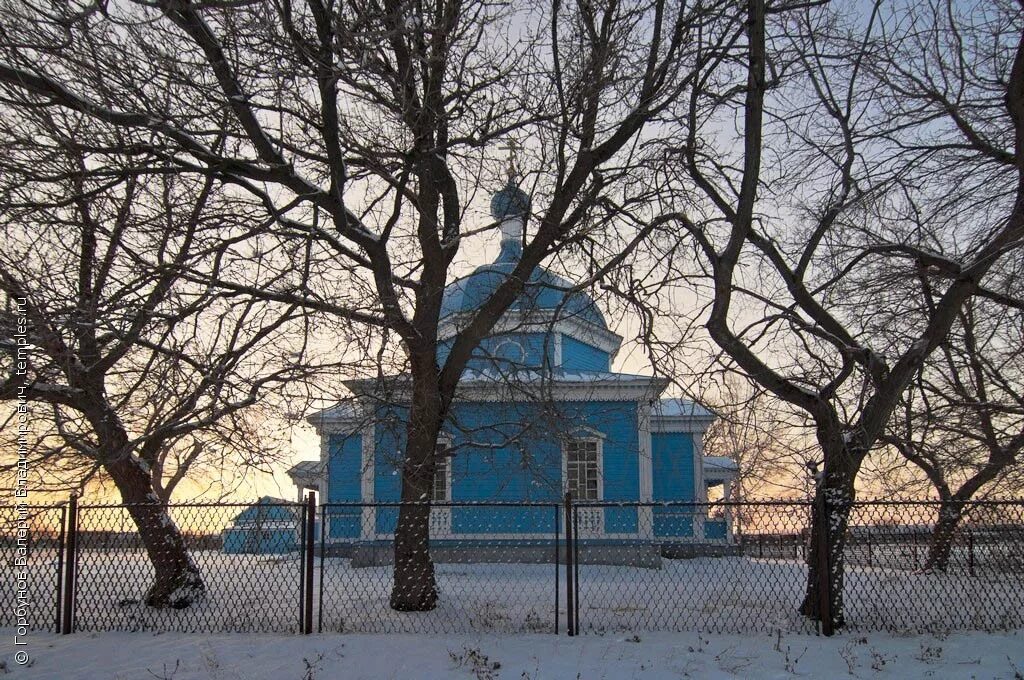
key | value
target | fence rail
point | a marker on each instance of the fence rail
(517, 567)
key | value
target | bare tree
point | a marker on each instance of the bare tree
(872, 150)
(962, 419)
(752, 430)
(365, 129)
(129, 364)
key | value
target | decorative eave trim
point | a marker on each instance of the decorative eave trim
(694, 424)
(607, 389)
(308, 476)
(347, 424)
(718, 474)
(540, 321)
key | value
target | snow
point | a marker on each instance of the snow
(259, 593)
(173, 656)
(496, 621)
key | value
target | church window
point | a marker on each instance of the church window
(441, 489)
(583, 469)
(511, 351)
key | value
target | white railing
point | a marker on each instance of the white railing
(440, 522)
(590, 521)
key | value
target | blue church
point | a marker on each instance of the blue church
(539, 412)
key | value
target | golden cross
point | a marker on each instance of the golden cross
(512, 146)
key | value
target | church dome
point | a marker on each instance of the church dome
(511, 201)
(545, 290)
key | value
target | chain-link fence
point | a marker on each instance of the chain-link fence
(920, 566)
(743, 567)
(247, 556)
(32, 555)
(512, 567)
(678, 566)
(496, 568)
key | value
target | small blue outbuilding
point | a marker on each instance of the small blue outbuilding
(270, 526)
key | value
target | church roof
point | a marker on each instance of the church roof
(545, 290)
(343, 412)
(494, 376)
(493, 380)
(266, 509)
(719, 467)
(306, 469)
(491, 375)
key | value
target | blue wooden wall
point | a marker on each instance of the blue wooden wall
(512, 452)
(388, 450)
(579, 356)
(497, 348)
(576, 355)
(258, 541)
(672, 461)
(344, 484)
(498, 458)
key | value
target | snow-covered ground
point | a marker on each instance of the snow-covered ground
(260, 593)
(174, 656)
(252, 593)
(495, 621)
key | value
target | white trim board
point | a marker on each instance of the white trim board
(367, 484)
(692, 424)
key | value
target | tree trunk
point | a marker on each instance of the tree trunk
(177, 582)
(835, 494)
(415, 588)
(941, 544)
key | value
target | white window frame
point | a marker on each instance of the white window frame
(441, 515)
(447, 470)
(443, 443)
(514, 343)
(588, 436)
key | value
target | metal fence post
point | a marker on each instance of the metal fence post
(70, 559)
(302, 509)
(569, 585)
(970, 552)
(557, 565)
(576, 568)
(824, 567)
(60, 568)
(307, 624)
(323, 554)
